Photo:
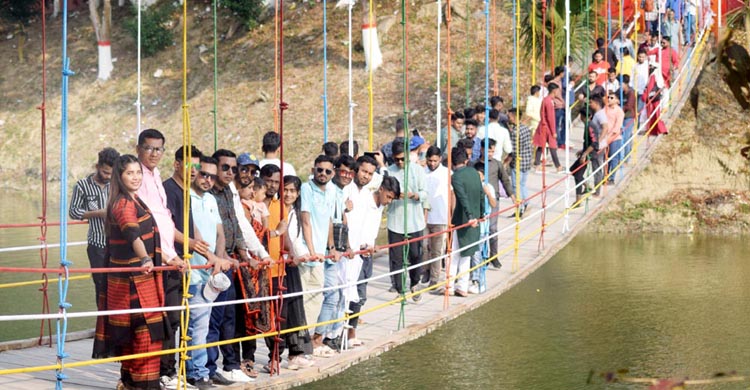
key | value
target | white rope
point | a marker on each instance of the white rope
(438, 104)
(30, 247)
(351, 100)
(138, 104)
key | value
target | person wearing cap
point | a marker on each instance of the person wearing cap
(417, 149)
(248, 167)
(204, 287)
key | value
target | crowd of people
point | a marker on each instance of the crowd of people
(255, 228)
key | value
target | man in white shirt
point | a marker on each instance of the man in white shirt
(499, 134)
(270, 148)
(641, 77)
(367, 210)
(437, 185)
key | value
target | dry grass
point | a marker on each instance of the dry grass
(103, 114)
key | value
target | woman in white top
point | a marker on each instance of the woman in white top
(293, 309)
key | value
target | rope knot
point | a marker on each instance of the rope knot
(283, 106)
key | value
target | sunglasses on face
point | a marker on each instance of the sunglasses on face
(208, 176)
(323, 170)
(193, 165)
(246, 169)
(226, 167)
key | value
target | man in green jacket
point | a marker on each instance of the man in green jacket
(467, 188)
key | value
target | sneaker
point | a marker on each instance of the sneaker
(219, 379)
(170, 383)
(203, 383)
(234, 376)
(417, 297)
(474, 288)
(334, 344)
(300, 361)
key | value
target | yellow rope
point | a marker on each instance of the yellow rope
(33, 282)
(516, 244)
(186, 167)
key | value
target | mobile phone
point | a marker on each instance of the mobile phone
(415, 132)
(371, 154)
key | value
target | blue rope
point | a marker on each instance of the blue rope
(483, 232)
(62, 281)
(325, 71)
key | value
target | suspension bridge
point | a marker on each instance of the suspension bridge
(388, 320)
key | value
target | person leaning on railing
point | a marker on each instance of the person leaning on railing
(133, 242)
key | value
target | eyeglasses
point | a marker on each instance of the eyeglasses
(193, 165)
(226, 167)
(321, 170)
(344, 173)
(208, 176)
(152, 150)
(398, 159)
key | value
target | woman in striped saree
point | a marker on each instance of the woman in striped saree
(133, 241)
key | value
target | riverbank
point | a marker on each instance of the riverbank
(697, 181)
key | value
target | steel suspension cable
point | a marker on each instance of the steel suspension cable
(62, 276)
(43, 250)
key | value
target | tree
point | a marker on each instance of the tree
(101, 17)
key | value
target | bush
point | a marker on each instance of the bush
(248, 11)
(154, 32)
(19, 10)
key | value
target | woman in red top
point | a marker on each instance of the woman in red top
(133, 241)
(545, 132)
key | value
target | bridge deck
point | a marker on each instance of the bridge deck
(379, 330)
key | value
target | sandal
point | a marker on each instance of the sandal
(323, 351)
(247, 368)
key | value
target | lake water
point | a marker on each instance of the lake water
(659, 306)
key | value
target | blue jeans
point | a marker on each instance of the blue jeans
(476, 258)
(524, 190)
(331, 298)
(221, 327)
(689, 28)
(560, 126)
(615, 155)
(627, 134)
(198, 332)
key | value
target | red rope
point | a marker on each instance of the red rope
(44, 187)
(449, 113)
(43, 252)
(544, 35)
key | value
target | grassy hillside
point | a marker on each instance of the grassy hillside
(102, 113)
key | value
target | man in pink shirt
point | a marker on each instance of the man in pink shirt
(613, 133)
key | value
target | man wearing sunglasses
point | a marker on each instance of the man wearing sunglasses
(223, 318)
(406, 210)
(317, 210)
(205, 212)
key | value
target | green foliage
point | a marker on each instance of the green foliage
(154, 32)
(247, 11)
(18, 10)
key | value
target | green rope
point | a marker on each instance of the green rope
(468, 53)
(405, 249)
(216, 82)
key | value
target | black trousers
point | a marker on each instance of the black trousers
(172, 297)
(396, 255)
(98, 259)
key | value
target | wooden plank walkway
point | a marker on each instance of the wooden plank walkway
(380, 331)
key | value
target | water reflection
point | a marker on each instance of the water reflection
(658, 305)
